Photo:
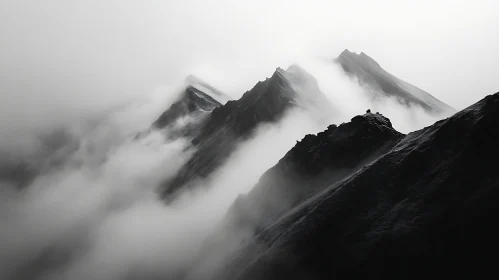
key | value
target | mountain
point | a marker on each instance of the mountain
(197, 97)
(195, 103)
(235, 121)
(371, 75)
(361, 200)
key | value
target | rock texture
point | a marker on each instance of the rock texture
(363, 201)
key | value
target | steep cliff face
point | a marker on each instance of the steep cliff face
(387, 205)
(222, 130)
(371, 75)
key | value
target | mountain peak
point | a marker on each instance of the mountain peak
(361, 127)
(235, 121)
(371, 75)
(345, 52)
(362, 57)
(374, 119)
(192, 81)
(197, 100)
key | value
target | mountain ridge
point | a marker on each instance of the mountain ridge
(236, 120)
(421, 207)
(373, 76)
(197, 98)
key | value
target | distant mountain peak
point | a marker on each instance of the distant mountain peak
(371, 75)
(198, 99)
(296, 71)
(192, 81)
(345, 52)
(363, 57)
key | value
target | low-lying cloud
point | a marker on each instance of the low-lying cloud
(352, 98)
(102, 218)
(62, 215)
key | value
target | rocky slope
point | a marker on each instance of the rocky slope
(363, 201)
(371, 75)
(235, 121)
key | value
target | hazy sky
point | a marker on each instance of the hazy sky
(70, 57)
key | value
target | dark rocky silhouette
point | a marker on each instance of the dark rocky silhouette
(370, 74)
(236, 121)
(216, 134)
(361, 200)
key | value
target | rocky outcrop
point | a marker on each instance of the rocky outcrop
(387, 206)
(314, 163)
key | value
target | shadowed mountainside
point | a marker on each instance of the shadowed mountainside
(216, 129)
(363, 201)
(236, 121)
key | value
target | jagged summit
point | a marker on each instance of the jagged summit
(196, 101)
(197, 83)
(266, 102)
(235, 121)
(369, 124)
(348, 55)
(371, 75)
(327, 156)
(277, 84)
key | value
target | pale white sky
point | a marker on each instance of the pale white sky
(73, 56)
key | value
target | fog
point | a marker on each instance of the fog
(51, 220)
(104, 71)
(352, 98)
(98, 216)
